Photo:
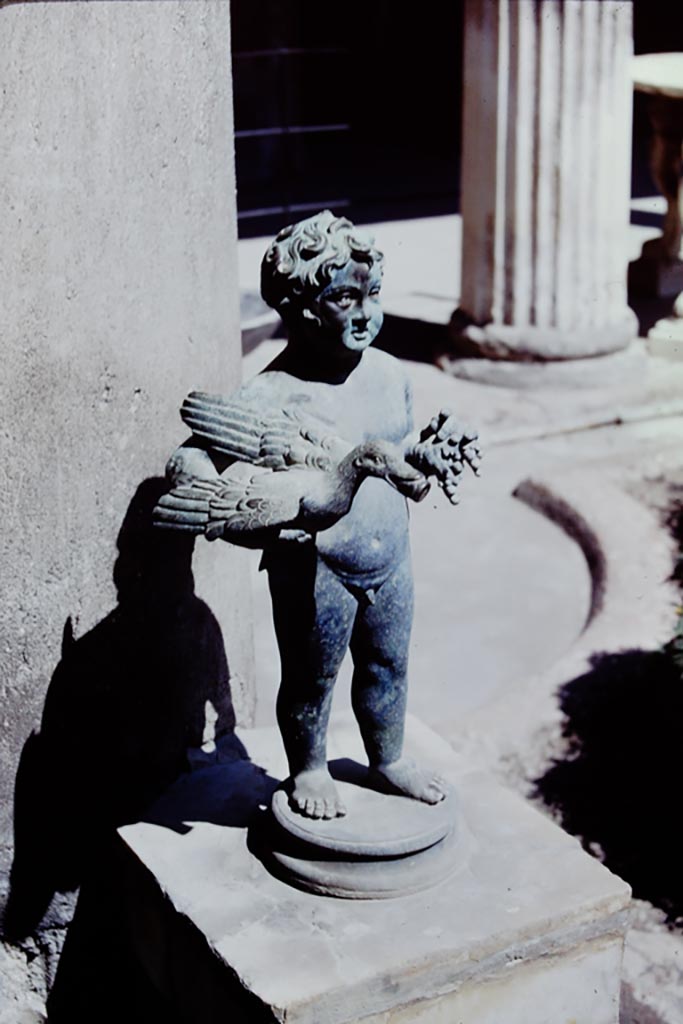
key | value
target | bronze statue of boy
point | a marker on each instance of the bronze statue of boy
(348, 584)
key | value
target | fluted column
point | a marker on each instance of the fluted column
(546, 179)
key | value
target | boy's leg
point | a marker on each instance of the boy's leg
(379, 644)
(313, 614)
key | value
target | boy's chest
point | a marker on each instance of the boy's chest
(355, 411)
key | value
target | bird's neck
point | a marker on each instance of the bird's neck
(349, 476)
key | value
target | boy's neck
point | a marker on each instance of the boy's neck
(308, 361)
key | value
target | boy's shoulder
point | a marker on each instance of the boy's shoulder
(381, 358)
(267, 385)
(380, 362)
(273, 386)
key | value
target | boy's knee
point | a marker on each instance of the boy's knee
(308, 686)
(386, 664)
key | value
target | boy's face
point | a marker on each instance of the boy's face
(349, 309)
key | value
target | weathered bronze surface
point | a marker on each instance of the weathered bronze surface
(327, 435)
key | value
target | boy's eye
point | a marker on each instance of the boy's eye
(344, 301)
(374, 294)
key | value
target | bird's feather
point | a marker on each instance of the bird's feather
(230, 504)
(233, 427)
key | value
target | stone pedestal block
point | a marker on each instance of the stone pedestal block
(545, 180)
(527, 929)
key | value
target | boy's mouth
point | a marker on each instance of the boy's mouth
(359, 339)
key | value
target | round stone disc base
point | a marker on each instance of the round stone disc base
(386, 845)
(376, 824)
(368, 879)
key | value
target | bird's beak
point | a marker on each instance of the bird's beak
(411, 485)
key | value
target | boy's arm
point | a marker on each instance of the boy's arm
(412, 436)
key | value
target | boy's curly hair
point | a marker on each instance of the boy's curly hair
(303, 257)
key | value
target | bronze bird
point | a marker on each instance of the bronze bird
(303, 496)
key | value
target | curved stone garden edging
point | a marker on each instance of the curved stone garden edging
(630, 556)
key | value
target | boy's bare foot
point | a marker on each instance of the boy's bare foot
(411, 780)
(315, 795)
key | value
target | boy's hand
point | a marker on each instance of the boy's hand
(443, 449)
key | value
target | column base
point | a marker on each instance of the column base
(530, 344)
(625, 368)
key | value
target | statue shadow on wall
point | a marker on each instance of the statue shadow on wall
(125, 703)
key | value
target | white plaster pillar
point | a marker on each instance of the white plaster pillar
(118, 262)
(546, 179)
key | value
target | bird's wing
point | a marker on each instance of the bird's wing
(261, 502)
(279, 440)
(186, 507)
(230, 505)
